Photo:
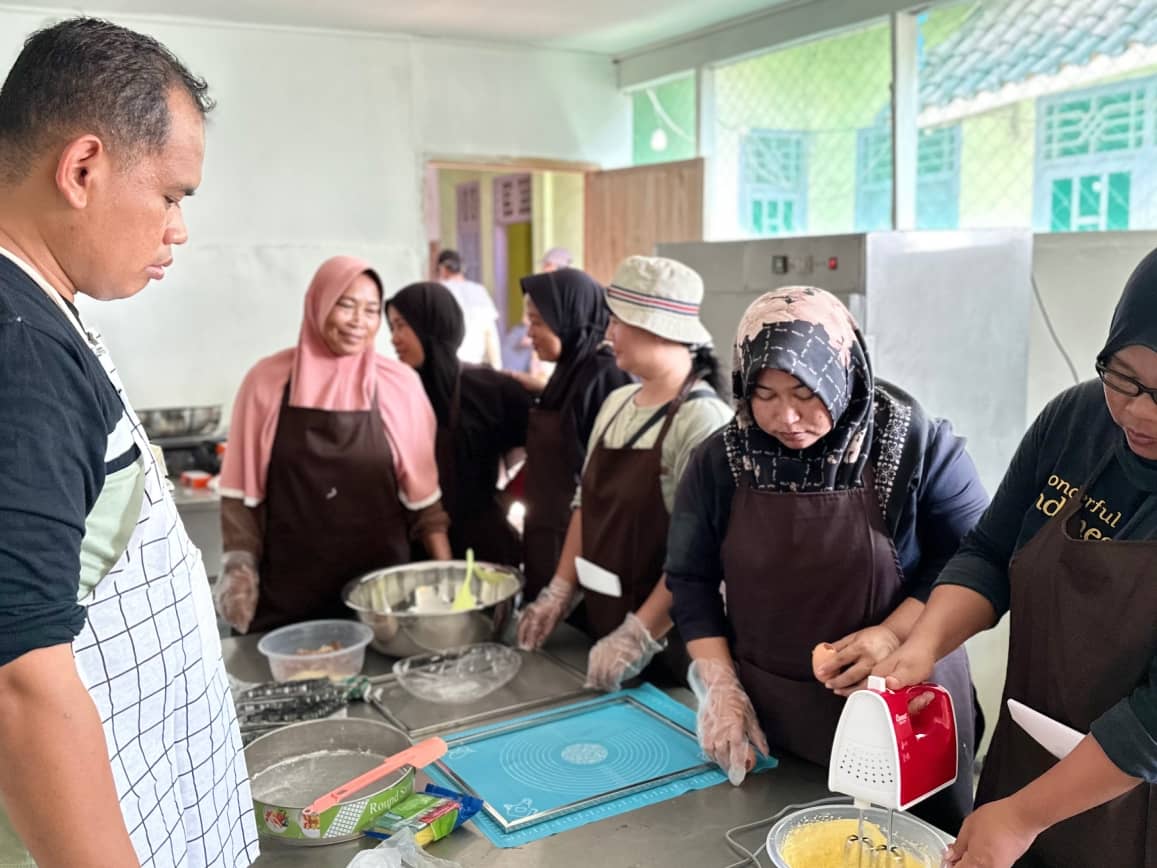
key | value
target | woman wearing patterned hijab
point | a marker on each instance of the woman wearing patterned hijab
(825, 510)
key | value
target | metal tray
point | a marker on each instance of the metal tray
(532, 770)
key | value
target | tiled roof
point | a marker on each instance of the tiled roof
(1007, 41)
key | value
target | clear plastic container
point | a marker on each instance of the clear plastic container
(316, 649)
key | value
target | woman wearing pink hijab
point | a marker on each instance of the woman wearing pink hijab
(330, 471)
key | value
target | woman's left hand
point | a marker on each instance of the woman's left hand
(621, 655)
(856, 655)
(993, 836)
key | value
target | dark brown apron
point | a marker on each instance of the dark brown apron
(811, 567)
(552, 462)
(625, 523)
(446, 457)
(332, 512)
(475, 523)
(1081, 637)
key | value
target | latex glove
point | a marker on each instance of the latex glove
(236, 590)
(993, 836)
(539, 619)
(621, 655)
(856, 655)
(729, 731)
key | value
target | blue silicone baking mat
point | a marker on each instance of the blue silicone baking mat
(563, 768)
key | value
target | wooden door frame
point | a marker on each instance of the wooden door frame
(433, 163)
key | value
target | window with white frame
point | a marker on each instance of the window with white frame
(773, 182)
(1094, 158)
(937, 178)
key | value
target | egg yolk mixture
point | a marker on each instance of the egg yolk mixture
(821, 845)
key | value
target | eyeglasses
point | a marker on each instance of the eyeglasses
(1126, 385)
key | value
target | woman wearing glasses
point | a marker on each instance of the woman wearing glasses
(1069, 548)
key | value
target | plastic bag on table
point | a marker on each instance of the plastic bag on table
(400, 851)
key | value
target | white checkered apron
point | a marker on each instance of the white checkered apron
(150, 656)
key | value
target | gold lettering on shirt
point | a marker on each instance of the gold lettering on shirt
(1053, 499)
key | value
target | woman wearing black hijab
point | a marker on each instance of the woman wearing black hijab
(482, 416)
(1068, 548)
(568, 322)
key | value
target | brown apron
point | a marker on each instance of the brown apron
(811, 567)
(332, 512)
(446, 457)
(1081, 638)
(625, 523)
(475, 524)
(552, 462)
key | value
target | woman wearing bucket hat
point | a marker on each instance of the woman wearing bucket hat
(642, 440)
(1068, 549)
(825, 509)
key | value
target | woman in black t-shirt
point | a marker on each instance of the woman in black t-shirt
(1068, 547)
(482, 417)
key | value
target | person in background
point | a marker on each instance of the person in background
(825, 510)
(482, 418)
(554, 259)
(481, 344)
(119, 743)
(641, 442)
(330, 469)
(1068, 548)
(568, 322)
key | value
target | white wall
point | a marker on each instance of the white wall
(1080, 277)
(317, 147)
(487, 100)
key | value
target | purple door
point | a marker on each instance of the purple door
(470, 228)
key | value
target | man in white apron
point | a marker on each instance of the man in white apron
(118, 738)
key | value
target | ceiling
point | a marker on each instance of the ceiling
(603, 26)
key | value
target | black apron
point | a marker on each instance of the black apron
(477, 518)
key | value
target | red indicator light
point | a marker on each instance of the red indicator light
(833, 263)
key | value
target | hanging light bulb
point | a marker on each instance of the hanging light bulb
(659, 140)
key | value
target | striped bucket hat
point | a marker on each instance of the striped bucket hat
(661, 296)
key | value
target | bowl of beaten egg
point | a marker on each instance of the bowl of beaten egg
(815, 838)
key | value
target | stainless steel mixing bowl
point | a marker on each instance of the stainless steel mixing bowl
(409, 606)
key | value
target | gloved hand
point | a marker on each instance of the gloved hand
(236, 590)
(539, 619)
(621, 655)
(726, 722)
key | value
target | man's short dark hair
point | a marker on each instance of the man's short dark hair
(85, 75)
(451, 261)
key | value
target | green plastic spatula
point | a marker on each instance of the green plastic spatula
(464, 599)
